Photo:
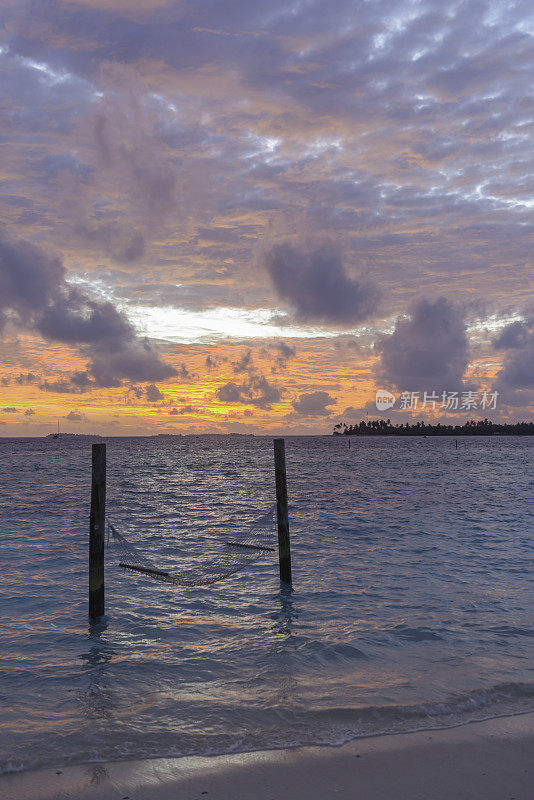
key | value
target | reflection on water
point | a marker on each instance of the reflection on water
(98, 699)
(288, 611)
(282, 667)
(412, 602)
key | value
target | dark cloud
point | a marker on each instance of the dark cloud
(29, 412)
(136, 361)
(285, 353)
(351, 413)
(29, 280)
(21, 379)
(229, 393)
(9, 410)
(184, 374)
(153, 394)
(173, 411)
(260, 393)
(245, 363)
(137, 391)
(518, 366)
(515, 336)
(315, 284)
(35, 293)
(314, 404)
(74, 319)
(212, 362)
(255, 390)
(76, 383)
(428, 350)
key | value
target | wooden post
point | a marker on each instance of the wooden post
(97, 523)
(284, 551)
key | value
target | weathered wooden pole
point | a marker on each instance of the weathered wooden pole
(284, 550)
(97, 523)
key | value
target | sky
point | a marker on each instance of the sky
(250, 217)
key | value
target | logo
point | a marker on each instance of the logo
(384, 400)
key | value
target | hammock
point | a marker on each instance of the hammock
(234, 556)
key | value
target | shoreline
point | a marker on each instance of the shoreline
(490, 760)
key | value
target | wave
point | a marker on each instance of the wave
(330, 727)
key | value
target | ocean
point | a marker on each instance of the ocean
(411, 608)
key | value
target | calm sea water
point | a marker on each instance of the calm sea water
(412, 604)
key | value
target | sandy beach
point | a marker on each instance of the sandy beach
(490, 760)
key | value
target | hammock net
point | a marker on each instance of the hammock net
(234, 555)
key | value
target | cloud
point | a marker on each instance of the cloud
(245, 363)
(29, 412)
(400, 127)
(316, 286)
(34, 292)
(21, 379)
(428, 350)
(173, 411)
(76, 383)
(255, 390)
(314, 404)
(351, 413)
(285, 353)
(29, 280)
(25, 379)
(135, 361)
(9, 410)
(518, 366)
(153, 394)
(212, 362)
(184, 374)
(74, 319)
(76, 416)
(260, 393)
(126, 138)
(229, 393)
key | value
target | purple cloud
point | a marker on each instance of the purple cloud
(518, 367)
(427, 350)
(316, 285)
(256, 390)
(314, 404)
(153, 394)
(34, 293)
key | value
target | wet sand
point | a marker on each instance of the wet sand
(491, 760)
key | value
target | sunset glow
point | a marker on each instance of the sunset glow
(249, 220)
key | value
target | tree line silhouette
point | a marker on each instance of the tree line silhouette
(480, 427)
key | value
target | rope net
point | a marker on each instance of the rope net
(234, 555)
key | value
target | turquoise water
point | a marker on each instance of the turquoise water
(412, 604)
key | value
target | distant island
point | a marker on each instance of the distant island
(481, 427)
(72, 436)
